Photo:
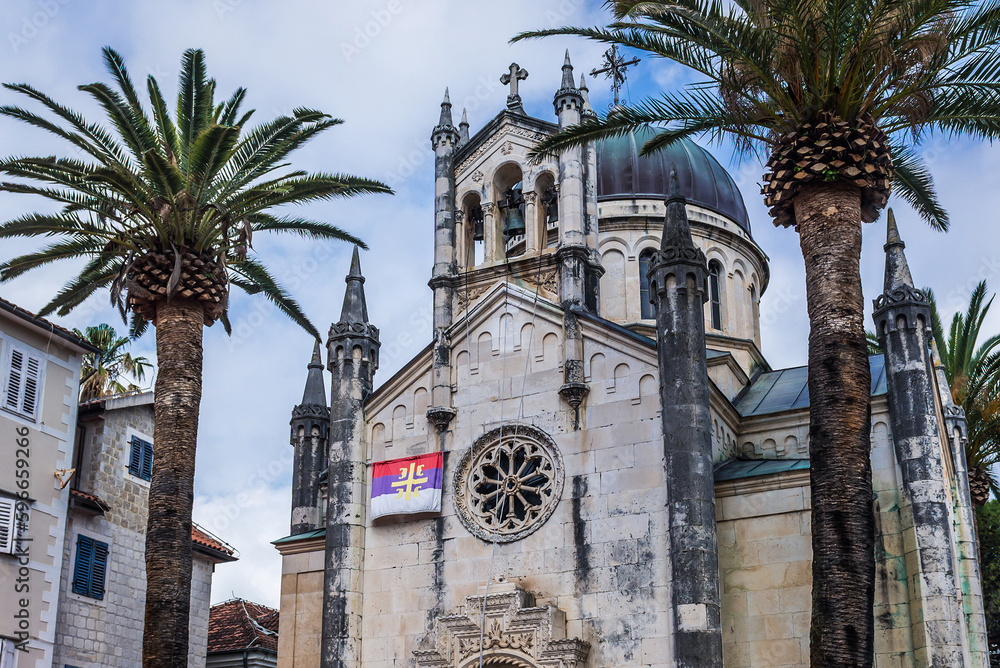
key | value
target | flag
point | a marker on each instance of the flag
(407, 485)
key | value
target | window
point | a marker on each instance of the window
(7, 525)
(22, 382)
(91, 567)
(645, 305)
(715, 293)
(141, 461)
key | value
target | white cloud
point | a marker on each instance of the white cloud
(300, 53)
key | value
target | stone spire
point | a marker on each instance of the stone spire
(355, 306)
(463, 129)
(902, 318)
(588, 111)
(352, 359)
(677, 288)
(315, 392)
(897, 272)
(567, 70)
(310, 428)
(445, 120)
(676, 229)
(445, 141)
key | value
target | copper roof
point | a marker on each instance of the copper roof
(237, 625)
(624, 174)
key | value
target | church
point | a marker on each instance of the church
(592, 463)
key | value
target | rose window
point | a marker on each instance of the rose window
(508, 483)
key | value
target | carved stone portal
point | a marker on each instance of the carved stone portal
(514, 632)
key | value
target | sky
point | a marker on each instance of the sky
(382, 67)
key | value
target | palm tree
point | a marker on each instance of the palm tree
(835, 93)
(165, 209)
(101, 371)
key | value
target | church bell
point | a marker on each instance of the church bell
(512, 205)
(476, 219)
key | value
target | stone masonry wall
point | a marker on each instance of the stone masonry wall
(92, 633)
(602, 555)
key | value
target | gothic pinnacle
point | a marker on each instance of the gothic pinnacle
(567, 76)
(355, 307)
(585, 94)
(446, 121)
(676, 229)
(463, 128)
(315, 392)
(897, 271)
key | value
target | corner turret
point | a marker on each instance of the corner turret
(903, 321)
(310, 430)
(353, 349)
(677, 289)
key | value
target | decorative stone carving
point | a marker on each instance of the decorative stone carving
(477, 175)
(507, 148)
(508, 483)
(507, 629)
(505, 130)
(465, 297)
(903, 293)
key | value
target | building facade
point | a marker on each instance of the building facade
(39, 385)
(102, 595)
(626, 478)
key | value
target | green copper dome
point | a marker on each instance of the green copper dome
(623, 174)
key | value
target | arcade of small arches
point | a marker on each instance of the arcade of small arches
(509, 214)
(733, 285)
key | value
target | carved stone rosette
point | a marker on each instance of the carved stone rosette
(508, 483)
(507, 629)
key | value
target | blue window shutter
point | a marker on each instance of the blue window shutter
(135, 463)
(147, 460)
(84, 565)
(100, 570)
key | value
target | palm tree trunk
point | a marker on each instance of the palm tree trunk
(179, 326)
(828, 217)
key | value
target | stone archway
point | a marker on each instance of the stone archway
(514, 634)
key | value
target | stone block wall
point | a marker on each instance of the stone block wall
(765, 558)
(92, 633)
(601, 557)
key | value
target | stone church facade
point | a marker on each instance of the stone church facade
(626, 478)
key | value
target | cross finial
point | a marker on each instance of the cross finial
(515, 73)
(614, 69)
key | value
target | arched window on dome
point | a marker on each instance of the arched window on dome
(715, 293)
(645, 305)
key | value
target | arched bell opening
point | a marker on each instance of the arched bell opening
(511, 226)
(547, 211)
(473, 231)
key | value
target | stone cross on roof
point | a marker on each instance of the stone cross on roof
(516, 73)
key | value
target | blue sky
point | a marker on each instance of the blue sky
(382, 66)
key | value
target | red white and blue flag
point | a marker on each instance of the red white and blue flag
(407, 485)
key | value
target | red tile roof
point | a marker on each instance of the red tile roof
(61, 332)
(202, 538)
(90, 498)
(237, 625)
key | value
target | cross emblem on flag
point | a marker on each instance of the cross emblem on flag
(407, 485)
